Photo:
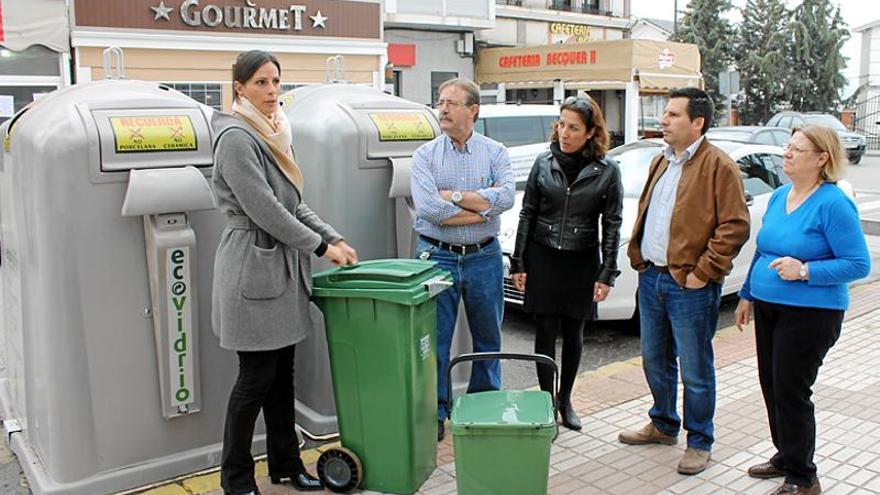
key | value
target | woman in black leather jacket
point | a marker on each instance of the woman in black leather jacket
(558, 250)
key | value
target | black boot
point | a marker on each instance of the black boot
(569, 417)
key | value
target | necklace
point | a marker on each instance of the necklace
(792, 202)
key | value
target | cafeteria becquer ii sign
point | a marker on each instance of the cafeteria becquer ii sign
(324, 18)
(248, 16)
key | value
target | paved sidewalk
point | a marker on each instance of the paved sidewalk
(615, 397)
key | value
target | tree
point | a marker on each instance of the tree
(813, 60)
(760, 58)
(704, 26)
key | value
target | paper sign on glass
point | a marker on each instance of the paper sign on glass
(7, 106)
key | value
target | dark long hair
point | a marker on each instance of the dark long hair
(592, 117)
(247, 63)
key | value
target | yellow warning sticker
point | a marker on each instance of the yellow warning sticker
(403, 126)
(149, 133)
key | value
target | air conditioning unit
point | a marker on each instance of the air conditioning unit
(465, 44)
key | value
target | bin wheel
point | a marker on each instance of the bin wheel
(340, 470)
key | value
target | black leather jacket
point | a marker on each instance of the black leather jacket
(563, 216)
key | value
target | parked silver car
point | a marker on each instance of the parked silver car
(854, 143)
(773, 136)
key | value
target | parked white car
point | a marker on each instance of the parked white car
(524, 129)
(761, 169)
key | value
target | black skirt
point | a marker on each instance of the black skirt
(560, 283)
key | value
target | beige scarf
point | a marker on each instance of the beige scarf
(276, 134)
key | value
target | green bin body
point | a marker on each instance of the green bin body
(502, 442)
(381, 320)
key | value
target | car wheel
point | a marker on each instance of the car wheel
(854, 160)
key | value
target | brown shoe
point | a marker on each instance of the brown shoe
(694, 461)
(765, 470)
(648, 434)
(792, 489)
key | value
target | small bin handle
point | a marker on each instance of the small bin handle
(437, 285)
(488, 356)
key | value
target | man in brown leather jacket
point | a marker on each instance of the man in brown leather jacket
(692, 221)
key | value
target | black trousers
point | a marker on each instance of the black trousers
(791, 343)
(572, 330)
(265, 381)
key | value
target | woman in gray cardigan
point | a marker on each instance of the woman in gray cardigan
(262, 275)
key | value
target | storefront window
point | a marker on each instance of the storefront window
(33, 61)
(285, 87)
(14, 98)
(438, 78)
(208, 93)
(560, 5)
(397, 81)
(530, 95)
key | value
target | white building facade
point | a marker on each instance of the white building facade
(430, 41)
(529, 23)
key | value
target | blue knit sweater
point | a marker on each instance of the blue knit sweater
(824, 231)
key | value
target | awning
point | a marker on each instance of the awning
(34, 22)
(661, 65)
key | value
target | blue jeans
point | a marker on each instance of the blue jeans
(479, 279)
(679, 323)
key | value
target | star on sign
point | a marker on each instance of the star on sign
(318, 20)
(162, 11)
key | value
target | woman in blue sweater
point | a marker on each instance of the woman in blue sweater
(809, 248)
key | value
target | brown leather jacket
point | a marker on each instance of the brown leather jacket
(710, 219)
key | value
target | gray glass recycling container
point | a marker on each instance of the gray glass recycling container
(112, 377)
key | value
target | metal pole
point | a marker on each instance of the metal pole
(730, 109)
(675, 17)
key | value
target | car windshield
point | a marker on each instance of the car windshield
(634, 161)
(825, 120)
(514, 131)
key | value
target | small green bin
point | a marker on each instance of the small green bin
(502, 438)
(380, 318)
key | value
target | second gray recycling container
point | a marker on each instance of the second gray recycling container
(354, 145)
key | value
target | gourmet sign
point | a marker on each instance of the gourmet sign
(339, 18)
(248, 16)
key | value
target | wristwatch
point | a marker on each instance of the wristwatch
(803, 272)
(457, 197)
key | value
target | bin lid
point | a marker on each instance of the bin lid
(508, 409)
(402, 281)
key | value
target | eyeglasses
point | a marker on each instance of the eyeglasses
(582, 103)
(791, 147)
(450, 103)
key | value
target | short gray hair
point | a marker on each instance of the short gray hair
(469, 87)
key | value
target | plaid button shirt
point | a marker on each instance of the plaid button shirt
(482, 166)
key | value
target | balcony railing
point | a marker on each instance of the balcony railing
(575, 6)
(517, 3)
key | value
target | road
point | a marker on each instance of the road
(608, 342)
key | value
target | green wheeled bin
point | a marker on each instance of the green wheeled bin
(502, 438)
(380, 318)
